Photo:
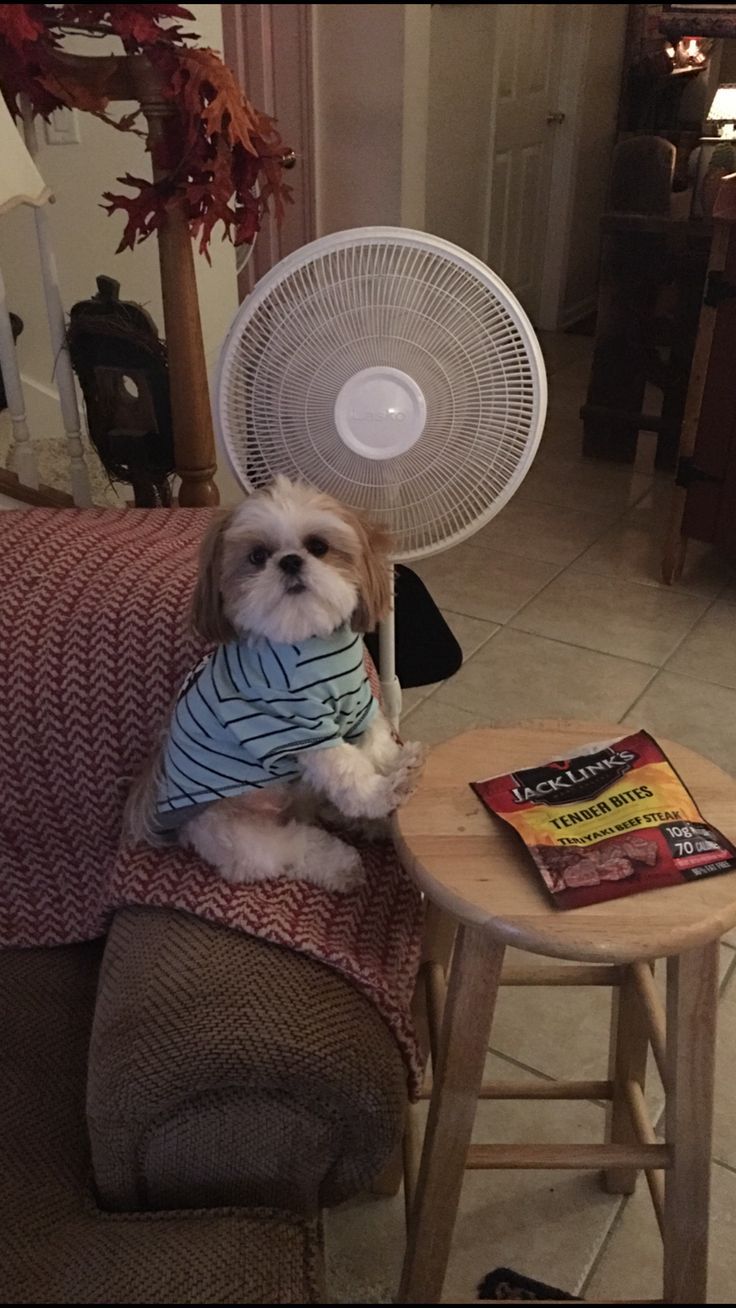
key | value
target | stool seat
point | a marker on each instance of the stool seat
(477, 869)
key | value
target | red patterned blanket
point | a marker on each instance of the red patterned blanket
(94, 642)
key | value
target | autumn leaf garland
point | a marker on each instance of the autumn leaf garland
(221, 159)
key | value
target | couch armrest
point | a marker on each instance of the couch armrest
(224, 1070)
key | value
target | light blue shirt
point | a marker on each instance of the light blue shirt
(246, 713)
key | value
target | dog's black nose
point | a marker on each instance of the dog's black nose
(291, 564)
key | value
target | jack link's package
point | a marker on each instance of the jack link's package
(614, 820)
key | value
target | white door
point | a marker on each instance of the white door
(526, 119)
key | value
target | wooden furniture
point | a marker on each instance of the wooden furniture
(475, 869)
(651, 284)
(704, 500)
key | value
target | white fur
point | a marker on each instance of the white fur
(260, 836)
(258, 604)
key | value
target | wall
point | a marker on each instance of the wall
(85, 239)
(460, 110)
(359, 89)
(595, 138)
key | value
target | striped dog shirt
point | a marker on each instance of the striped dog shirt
(246, 713)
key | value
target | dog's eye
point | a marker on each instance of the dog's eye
(316, 546)
(258, 556)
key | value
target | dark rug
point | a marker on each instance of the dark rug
(505, 1284)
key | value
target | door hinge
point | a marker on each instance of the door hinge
(688, 474)
(717, 289)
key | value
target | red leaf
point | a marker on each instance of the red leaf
(145, 211)
(219, 155)
(209, 92)
(18, 25)
(140, 23)
(76, 95)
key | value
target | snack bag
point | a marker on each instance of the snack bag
(614, 820)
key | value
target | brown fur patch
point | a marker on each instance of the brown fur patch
(371, 569)
(207, 612)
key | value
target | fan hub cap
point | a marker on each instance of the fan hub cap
(380, 413)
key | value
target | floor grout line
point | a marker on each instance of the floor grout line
(524, 1067)
(700, 681)
(641, 695)
(617, 1217)
(567, 566)
(681, 642)
(569, 644)
(727, 975)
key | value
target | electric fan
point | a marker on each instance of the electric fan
(394, 371)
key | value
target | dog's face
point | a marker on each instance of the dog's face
(288, 564)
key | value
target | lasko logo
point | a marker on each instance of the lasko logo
(573, 779)
(378, 415)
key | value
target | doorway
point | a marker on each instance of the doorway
(523, 101)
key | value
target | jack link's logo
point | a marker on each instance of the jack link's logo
(572, 779)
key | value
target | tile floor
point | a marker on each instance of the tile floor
(560, 612)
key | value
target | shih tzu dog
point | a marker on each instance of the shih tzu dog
(279, 717)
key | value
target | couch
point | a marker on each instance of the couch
(178, 1100)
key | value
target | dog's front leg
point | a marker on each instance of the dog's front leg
(347, 777)
(380, 744)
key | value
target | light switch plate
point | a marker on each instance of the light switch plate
(63, 128)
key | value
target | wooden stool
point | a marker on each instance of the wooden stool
(476, 869)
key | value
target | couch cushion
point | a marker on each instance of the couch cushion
(56, 1246)
(226, 1070)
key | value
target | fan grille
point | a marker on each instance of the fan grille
(411, 303)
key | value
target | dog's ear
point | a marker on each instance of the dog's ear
(374, 586)
(208, 613)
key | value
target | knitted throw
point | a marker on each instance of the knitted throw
(94, 644)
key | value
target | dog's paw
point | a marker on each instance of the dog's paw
(404, 781)
(395, 789)
(408, 770)
(413, 755)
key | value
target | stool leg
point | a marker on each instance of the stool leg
(628, 1062)
(692, 999)
(466, 1027)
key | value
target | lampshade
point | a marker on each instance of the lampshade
(723, 108)
(20, 180)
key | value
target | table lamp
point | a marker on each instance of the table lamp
(723, 110)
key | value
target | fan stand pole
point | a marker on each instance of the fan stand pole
(390, 688)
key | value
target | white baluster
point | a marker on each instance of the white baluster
(63, 371)
(22, 459)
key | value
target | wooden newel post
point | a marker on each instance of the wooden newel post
(112, 78)
(194, 440)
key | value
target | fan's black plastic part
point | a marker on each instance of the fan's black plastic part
(507, 1284)
(426, 650)
(16, 324)
(122, 368)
